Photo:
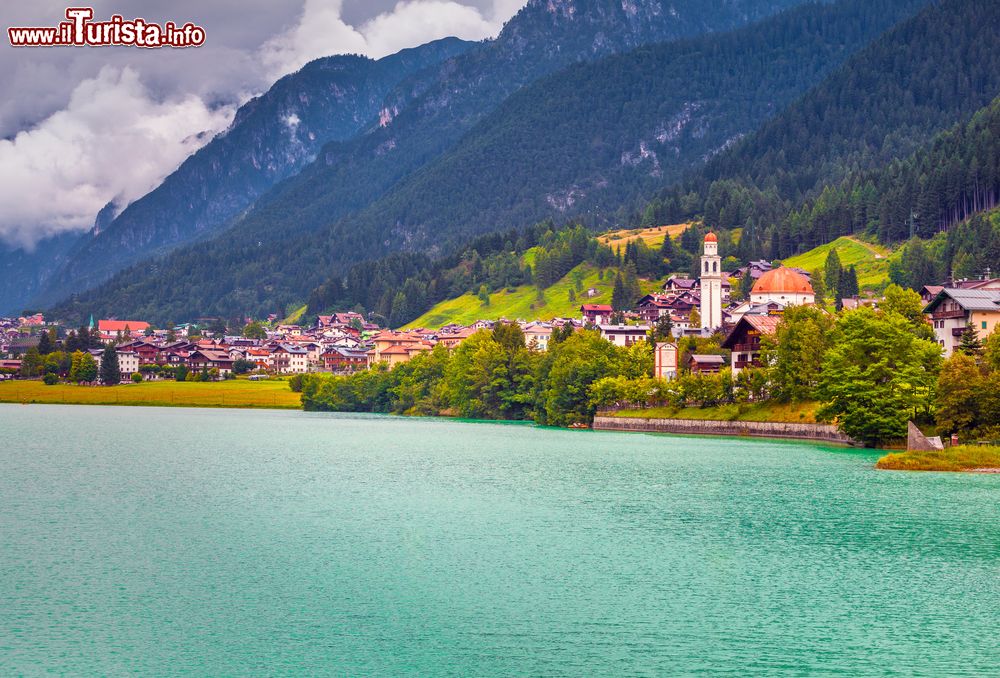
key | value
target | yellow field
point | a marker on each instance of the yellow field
(235, 393)
(653, 236)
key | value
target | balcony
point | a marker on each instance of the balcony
(751, 347)
(948, 315)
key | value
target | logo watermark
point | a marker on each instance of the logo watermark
(79, 30)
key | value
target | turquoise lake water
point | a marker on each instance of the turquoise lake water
(221, 542)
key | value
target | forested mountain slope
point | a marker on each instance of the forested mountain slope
(585, 141)
(271, 138)
(921, 78)
(418, 123)
(274, 256)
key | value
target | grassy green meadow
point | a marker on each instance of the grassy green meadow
(523, 301)
(871, 261)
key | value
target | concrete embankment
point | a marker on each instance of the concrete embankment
(758, 429)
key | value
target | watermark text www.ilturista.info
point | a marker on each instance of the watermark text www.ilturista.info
(80, 30)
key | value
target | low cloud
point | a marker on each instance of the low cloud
(112, 142)
(126, 127)
(321, 31)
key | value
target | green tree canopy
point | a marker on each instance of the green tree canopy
(795, 352)
(877, 375)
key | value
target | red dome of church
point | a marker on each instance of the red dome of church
(711, 237)
(782, 281)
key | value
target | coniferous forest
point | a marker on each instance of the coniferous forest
(898, 141)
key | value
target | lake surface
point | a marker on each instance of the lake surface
(222, 542)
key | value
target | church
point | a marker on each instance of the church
(784, 286)
(711, 284)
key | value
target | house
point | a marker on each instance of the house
(148, 352)
(744, 339)
(928, 292)
(398, 354)
(955, 308)
(112, 330)
(453, 339)
(654, 306)
(538, 335)
(289, 359)
(756, 268)
(396, 347)
(750, 308)
(209, 358)
(596, 314)
(678, 284)
(128, 363)
(5, 365)
(35, 320)
(624, 335)
(338, 359)
(705, 364)
(853, 303)
(261, 357)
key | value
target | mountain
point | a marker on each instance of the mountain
(923, 77)
(426, 114)
(589, 139)
(23, 271)
(271, 138)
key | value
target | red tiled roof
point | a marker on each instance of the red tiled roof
(121, 325)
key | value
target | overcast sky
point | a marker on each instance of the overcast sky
(80, 126)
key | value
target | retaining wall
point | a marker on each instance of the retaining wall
(758, 429)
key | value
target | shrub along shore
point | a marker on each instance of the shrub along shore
(975, 458)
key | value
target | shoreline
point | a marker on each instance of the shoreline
(806, 432)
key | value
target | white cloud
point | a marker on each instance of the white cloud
(112, 142)
(419, 21)
(122, 133)
(321, 30)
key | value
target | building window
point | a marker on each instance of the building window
(984, 324)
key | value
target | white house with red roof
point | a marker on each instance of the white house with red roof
(110, 330)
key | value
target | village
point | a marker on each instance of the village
(343, 343)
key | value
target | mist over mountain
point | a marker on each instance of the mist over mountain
(423, 117)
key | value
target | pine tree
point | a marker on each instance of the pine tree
(110, 372)
(44, 344)
(819, 287)
(970, 343)
(618, 294)
(664, 328)
(848, 284)
(746, 284)
(832, 271)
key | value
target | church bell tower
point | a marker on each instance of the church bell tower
(711, 285)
